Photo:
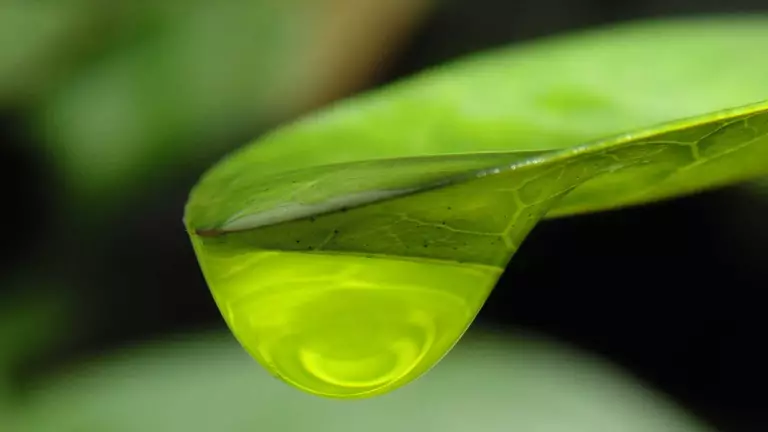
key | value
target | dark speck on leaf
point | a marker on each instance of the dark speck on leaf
(298, 241)
(310, 248)
(312, 219)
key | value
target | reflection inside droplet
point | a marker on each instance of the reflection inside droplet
(344, 325)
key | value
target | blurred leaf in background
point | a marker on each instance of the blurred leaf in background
(30, 323)
(123, 93)
(39, 40)
(491, 383)
(181, 76)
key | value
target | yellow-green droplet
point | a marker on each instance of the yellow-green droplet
(343, 326)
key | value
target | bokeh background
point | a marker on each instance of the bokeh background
(109, 113)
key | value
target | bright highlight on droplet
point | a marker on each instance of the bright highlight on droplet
(343, 326)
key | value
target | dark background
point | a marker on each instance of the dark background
(672, 291)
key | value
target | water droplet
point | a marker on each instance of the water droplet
(343, 326)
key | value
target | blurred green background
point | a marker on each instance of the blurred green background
(109, 113)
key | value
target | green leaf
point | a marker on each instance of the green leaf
(204, 382)
(29, 324)
(431, 185)
(33, 36)
(477, 207)
(510, 100)
(181, 77)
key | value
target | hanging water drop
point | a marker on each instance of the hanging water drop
(343, 326)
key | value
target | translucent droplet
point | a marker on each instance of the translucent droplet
(343, 326)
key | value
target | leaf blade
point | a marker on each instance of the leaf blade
(355, 198)
(482, 215)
